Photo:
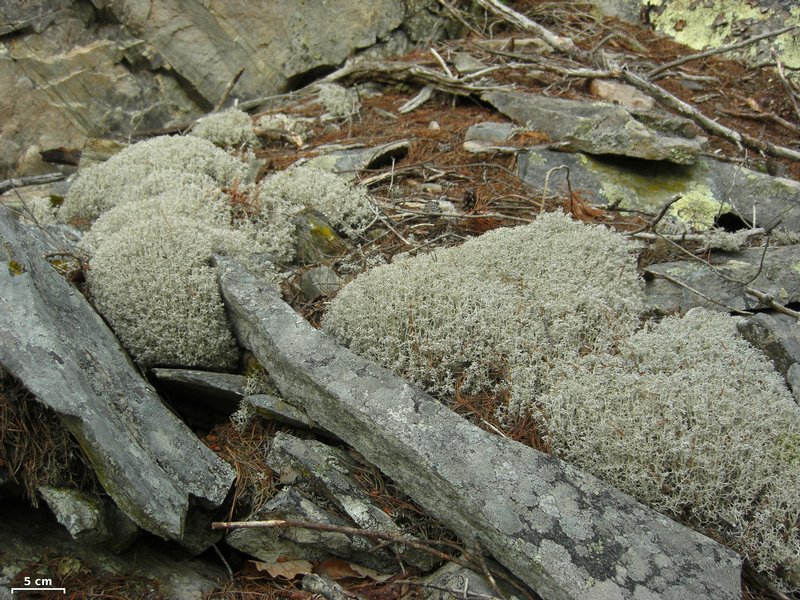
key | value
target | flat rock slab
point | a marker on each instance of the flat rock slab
(561, 531)
(593, 127)
(149, 462)
(708, 187)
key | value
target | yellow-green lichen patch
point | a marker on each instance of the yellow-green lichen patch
(646, 185)
(15, 268)
(701, 25)
(698, 207)
(796, 267)
(788, 44)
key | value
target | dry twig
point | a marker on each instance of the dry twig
(727, 48)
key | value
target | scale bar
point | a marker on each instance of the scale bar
(62, 590)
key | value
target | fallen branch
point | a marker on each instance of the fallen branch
(771, 302)
(400, 72)
(563, 44)
(681, 107)
(686, 237)
(727, 48)
(18, 182)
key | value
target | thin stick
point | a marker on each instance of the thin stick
(678, 105)
(770, 300)
(440, 60)
(720, 50)
(686, 237)
(563, 44)
(19, 182)
(226, 94)
(699, 293)
(650, 226)
(786, 85)
(374, 535)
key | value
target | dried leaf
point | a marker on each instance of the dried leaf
(288, 569)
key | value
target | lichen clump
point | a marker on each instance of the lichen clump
(463, 316)
(228, 129)
(148, 168)
(690, 419)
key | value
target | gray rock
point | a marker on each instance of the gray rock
(90, 519)
(466, 64)
(226, 387)
(276, 409)
(593, 127)
(709, 187)
(620, 93)
(273, 42)
(315, 239)
(349, 161)
(296, 543)
(72, 81)
(496, 133)
(319, 282)
(328, 473)
(33, 15)
(562, 532)
(778, 337)
(778, 277)
(793, 379)
(153, 467)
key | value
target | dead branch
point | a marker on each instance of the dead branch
(773, 304)
(18, 182)
(227, 92)
(563, 44)
(651, 226)
(681, 107)
(727, 48)
(686, 237)
(400, 72)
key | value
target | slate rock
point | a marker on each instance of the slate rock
(777, 336)
(227, 387)
(709, 187)
(458, 580)
(593, 127)
(348, 162)
(561, 531)
(319, 282)
(153, 467)
(276, 409)
(90, 519)
(620, 93)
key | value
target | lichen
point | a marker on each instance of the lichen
(698, 207)
(702, 25)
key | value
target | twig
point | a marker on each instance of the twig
(18, 182)
(440, 60)
(786, 85)
(686, 237)
(763, 116)
(770, 300)
(463, 594)
(367, 533)
(563, 44)
(650, 226)
(670, 101)
(224, 562)
(720, 50)
(547, 181)
(228, 89)
(699, 293)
